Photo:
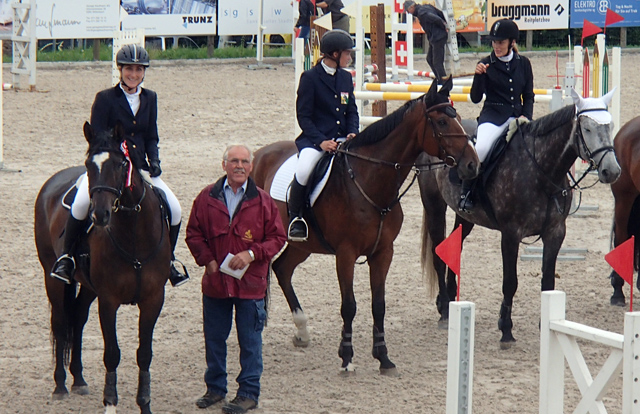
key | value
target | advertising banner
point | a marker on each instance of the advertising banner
(241, 17)
(530, 15)
(595, 11)
(170, 17)
(78, 19)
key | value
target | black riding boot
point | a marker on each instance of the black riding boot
(176, 277)
(65, 267)
(298, 230)
(466, 196)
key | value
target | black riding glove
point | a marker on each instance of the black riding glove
(154, 168)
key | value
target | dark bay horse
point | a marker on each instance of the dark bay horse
(626, 192)
(358, 212)
(129, 255)
(527, 194)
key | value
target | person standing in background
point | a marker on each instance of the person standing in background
(435, 26)
(339, 20)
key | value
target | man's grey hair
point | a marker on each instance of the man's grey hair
(230, 147)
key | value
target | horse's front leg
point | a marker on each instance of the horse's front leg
(552, 242)
(107, 311)
(344, 265)
(283, 267)
(83, 304)
(378, 268)
(149, 312)
(509, 287)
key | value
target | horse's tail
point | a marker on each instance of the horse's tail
(633, 229)
(429, 274)
(267, 294)
(68, 322)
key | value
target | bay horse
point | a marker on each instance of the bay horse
(358, 212)
(129, 262)
(626, 192)
(527, 194)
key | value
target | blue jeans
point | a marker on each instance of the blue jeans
(250, 318)
(305, 31)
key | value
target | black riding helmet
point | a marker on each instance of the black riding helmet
(504, 29)
(335, 41)
(132, 55)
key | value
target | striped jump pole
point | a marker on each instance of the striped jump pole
(406, 96)
(396, 87)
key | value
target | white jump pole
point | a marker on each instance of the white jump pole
(460, 357)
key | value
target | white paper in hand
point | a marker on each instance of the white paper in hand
(224, 268)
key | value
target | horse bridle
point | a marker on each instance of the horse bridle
(448, 160)
(117, 205)
(606, 148)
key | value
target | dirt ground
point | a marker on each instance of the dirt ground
(203, 107)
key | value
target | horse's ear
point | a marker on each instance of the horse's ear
(88, 132)
(576, 97)
(118, 132)
(607, 98)
(446, 86)
(433, 89)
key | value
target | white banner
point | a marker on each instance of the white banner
(77, 19)
(241, 17)
(170, 17)
(530, 15)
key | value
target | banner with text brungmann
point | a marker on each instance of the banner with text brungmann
(530, 15)
(595, 11)
(78, 19)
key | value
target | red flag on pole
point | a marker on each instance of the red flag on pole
(450, 251)
(621, 259)
(612, 18)
(589, 29)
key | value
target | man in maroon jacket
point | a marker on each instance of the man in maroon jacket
(234, 231)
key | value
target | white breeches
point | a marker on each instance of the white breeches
(80, 206)
(307, 160)
(487, 135)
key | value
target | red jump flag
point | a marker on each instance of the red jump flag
(450, 251)
(612, 18)
(589, 29)
(621, 259)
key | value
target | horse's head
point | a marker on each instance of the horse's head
(443, 135)
(107, 171)
(593, 127)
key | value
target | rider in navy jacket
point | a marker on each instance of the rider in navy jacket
(326, 110)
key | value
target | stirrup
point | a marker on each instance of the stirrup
(60, 277)
(176, 278)
(465, 204)
(298, 236)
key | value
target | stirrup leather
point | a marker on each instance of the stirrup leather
(303, 237)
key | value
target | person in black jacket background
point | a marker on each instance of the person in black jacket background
(326, 110)
(505, 79)
(136, 108)
(435, 26)
(306, 9)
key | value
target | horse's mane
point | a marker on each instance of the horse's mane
(382, 127)
(103, 141)
(549, 122)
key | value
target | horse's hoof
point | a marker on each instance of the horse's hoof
(348, 371)
(617, 301)
(507, 344)
(300, 343)
(390, 372)
(80, 389)
(59, 396)
(443, 324)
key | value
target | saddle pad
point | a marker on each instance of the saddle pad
(280, 185)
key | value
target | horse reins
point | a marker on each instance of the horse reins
(448, 161)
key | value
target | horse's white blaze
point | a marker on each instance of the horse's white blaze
(99, 160)
(300, 320)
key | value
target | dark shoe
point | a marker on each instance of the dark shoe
(64, 268)
(208, 399)
(466, 203)
(176, 277)
(298, 229)
(239, 405)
